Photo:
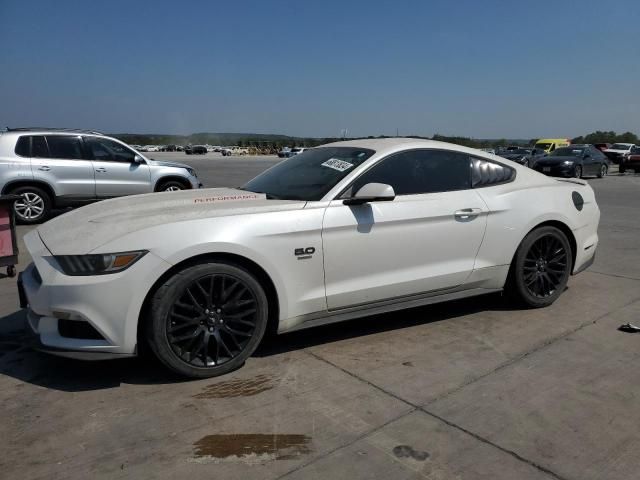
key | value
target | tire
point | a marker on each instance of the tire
(34, 208)
(603, 171)
(540, 268)
(577, 171)
(171, 186)
(622, 168)
(198, 334)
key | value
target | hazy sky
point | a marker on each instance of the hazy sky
(485, 69)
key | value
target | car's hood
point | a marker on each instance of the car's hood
(85, 229)
(167, 164)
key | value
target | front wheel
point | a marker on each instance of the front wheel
(577, 171)
(540, 268)
(207, 319)
(603, 171)
(171, 186)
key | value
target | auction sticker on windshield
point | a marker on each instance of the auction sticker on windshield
(339, 165)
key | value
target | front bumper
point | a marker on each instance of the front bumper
(106, 306)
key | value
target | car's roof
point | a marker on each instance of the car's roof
(49, 131)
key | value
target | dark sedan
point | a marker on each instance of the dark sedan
(524, 156)
(574, 161)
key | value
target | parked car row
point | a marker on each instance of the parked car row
(558, 157)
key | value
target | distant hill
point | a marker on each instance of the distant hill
(275, 140)
(209, 138)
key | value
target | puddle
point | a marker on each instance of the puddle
(252, 446)
(238, 388)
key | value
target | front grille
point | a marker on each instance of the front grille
(78, 329)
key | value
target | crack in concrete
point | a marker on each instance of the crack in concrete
(614, 275)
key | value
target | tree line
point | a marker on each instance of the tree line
(276, 142)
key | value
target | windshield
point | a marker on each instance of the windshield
(568, 152)
(309, 175)
(619, 146)
(519, 151)
(543, 146)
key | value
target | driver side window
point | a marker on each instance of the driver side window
(420, 171)
(103, 149)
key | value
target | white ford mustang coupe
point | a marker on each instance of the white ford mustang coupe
(345, 230)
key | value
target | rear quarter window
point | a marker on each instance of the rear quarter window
(23, 146)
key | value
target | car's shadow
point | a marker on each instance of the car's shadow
(20, 362)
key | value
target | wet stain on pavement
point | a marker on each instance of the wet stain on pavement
(405, 451)
(271, 446)
(238, 388)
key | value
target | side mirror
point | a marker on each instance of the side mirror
(372, 192)
(138, 159)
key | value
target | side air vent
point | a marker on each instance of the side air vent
(485, 173)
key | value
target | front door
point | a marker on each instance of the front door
(116, 171)
(425, 240)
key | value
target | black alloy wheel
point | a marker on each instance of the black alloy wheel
(544, 266)
(541, 267)
(207, 319)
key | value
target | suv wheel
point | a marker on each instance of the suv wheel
(540, 268)
(34, 207)
(171, 186)
(207, 319)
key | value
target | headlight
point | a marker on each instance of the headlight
(98, 264)
(192, 172)
(568, 162)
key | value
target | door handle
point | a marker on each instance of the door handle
(45, 168)
(467, 213)
(101, 170)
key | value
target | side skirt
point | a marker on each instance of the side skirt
(324, 318)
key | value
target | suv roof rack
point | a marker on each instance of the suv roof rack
(45, 129)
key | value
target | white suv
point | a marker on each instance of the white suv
(60, 168)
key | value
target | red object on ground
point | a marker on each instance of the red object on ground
(6, 236)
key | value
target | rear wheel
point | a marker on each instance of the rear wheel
(541, 267)
(33, 207)
(207, 320)
(622, 168)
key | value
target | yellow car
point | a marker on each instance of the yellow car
(550, 144)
